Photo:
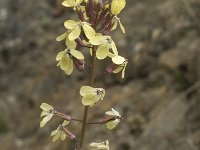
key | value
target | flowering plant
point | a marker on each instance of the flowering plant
(97, 18)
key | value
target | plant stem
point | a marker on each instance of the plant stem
(91, 83)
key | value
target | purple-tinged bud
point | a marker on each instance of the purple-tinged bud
(80, 14)
(79, 42)
(70, 134)
(80, 65)
(111, 68)
(90, 8)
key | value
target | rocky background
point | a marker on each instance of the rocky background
(159, 99)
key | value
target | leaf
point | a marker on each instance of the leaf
(77, 54)
(71, 24)
(74, 34)
(102, 51)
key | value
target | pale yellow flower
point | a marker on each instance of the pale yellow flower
(47, 113)
(75, 29)
(59, 132)
(69, 43)
(117, 6)
(65, 59)
(91, 95)
(105, 44)
(112, 124)
(100, 146)
(121, 68)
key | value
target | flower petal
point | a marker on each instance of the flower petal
(46, 107)
(69, 69)
(97, 40)
(45, 120)
(65, 123)
(63, 136)
(77, 54)
(89, 100)
(85, 90)
(44, 113)
(56, 136)
(117, 6)
(118, 60)
(102, 51)
(88, 30)
(60, 55)
(74, 34)
(71, 24)
(112, 124)
(61, 37)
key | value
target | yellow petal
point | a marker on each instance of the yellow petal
(85, 90)
(88, 30)
(97, 40)
(69, 3)
(114, 25)
(44, 113)
(54, 132)
(76, 54)
(123, 72)
(64, 62)
(112, 124)
(114, 48)
(117, 6)
(71, 24)
(118, 60)
(74, 34)
(70, 44)
(89, 100)
(56, 136)
(118, 69)
(45, 120)
(63, 136)
(46, 107)
(61, 37)
(60, 55)
(69, 68)
(102, 51)
(121, 26)
(65, 123)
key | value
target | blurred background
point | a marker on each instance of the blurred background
(159, 99)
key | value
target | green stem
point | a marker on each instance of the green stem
(91, 83)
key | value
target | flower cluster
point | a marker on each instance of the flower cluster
(96, 20)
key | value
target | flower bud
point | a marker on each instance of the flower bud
(111, 68)
(80, 65)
